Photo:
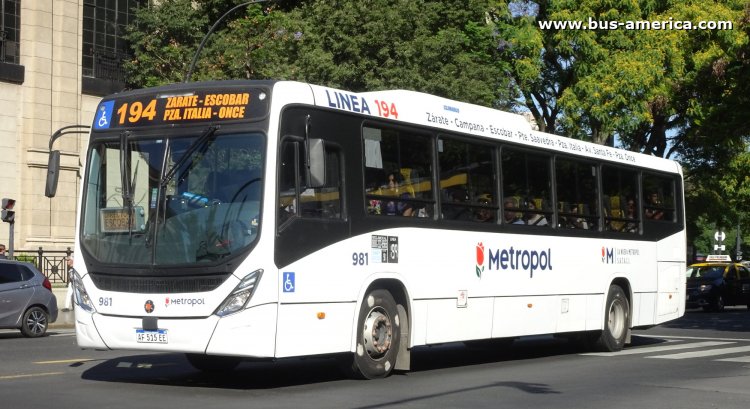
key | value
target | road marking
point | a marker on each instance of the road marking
(659, 348)
(678, 338)
(743, 359)
(738, 359)
(64, 361)
(5, 377)
(701, 354)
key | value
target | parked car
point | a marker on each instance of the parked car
(717, 283)
(26, 299)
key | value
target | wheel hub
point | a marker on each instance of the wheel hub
(377, 333)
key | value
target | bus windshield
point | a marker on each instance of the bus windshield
(178, 199)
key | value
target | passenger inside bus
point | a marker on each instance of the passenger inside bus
(511, 213)
(631, 226)
(484, 213)
(575, 221)
(653, 205)
(395, 189)
(533, 216)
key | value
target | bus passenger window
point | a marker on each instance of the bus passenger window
(397, 173)
(658, 201)
(577, 193)
(467, 175)
(322, 202)
(619, 184)
(527, 180)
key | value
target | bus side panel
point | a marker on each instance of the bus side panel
(671, 299)
(644, 309)
(595, 311)
(447, 322)
(251, 332)
(573, 313)
(315, 328)
(520, 316)
(671, 277)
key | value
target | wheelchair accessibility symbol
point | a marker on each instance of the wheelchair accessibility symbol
(104, 114)
(288, 282)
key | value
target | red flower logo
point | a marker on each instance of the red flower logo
(480, 259)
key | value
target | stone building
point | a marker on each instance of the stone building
(57, 59)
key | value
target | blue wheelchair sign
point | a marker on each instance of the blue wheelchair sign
(288, 282)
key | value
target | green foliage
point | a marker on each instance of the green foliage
(672, 93)
(163, 42)
(441, 47)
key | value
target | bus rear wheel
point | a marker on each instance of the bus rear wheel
(616, 321)
(378, 336)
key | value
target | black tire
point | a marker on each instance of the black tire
(378, 335)
(213, 363)
(616, 321)
(719, 304)
(34, 323)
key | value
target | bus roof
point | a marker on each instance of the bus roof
(455, 116)
(398, 105)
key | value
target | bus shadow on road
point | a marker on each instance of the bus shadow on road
(174, 370)
(732, 319)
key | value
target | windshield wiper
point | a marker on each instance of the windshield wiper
(200, 143)
(127, 187)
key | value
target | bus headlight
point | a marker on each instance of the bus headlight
(241, 294)
(79, 293)
(706, 288)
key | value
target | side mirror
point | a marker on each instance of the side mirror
(317, 155)
(53, 173)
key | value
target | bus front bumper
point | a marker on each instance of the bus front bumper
(250, 332)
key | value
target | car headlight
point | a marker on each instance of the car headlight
(706, 288)
(241, 294)
(79, 293)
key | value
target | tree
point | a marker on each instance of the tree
(162, 41)
(441, 47)
(597, 83)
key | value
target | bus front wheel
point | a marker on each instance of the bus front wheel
(378, 336)
(616, 321)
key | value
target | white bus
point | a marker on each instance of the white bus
(256, 219)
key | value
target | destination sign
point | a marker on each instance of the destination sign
(115, 220)
(183, 107)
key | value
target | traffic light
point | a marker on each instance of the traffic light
(9, 215)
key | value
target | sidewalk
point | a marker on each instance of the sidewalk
(65, 319)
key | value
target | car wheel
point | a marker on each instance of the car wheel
(719, 304)
(616, 321)
(213, 363)
(378, 336)
(34, 322)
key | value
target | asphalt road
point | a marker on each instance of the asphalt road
(699, 361)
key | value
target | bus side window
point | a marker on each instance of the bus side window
(527, 180)
(397, 172)
(619, 184)
(467, 175)
(578, 202)
(296, 199)
(658, 200)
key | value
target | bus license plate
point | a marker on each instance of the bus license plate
(151, 337)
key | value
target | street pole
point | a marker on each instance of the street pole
(10, 243)
(738, 246)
